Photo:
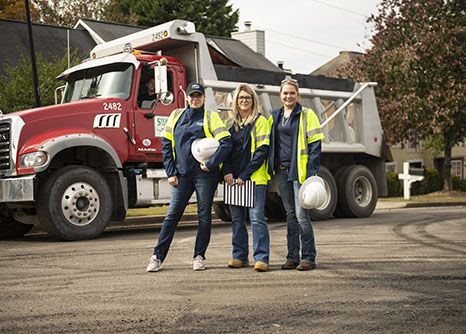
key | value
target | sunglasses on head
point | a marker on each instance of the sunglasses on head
(289, 80)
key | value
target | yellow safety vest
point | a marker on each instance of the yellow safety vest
(212, 124)
(308, 120)
(260, 135)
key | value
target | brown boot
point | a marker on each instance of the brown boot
(261, 266)
(306, 265)
(235, 263)
(289, 265)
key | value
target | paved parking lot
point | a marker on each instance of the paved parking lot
(399, 271)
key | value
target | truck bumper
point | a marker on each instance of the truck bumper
(19, 189)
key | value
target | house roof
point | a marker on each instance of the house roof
(107, 31)
(241, 54)
(50, 41)
(332, 67)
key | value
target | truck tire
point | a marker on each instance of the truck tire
(10, 228)
(274, 208)
(357, 192)
(338, 213)
(222, 211)
(325, 211)
(75, 203)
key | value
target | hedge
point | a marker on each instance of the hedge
(432, 182)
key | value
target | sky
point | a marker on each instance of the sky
(306, 34)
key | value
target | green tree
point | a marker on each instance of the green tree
(417, 58)
(17, 86)
(212, 17)
(16, 10)
(68, 12)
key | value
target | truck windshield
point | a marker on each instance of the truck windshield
(113, 80)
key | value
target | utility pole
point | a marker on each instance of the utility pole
(33, 55)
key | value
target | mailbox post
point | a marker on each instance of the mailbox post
(409, 176)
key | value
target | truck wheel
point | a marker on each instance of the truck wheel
(325, 211)
(222, 211)
(358, 192)
(75, 203)
(274, 208)
(10, 228)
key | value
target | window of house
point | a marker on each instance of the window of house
(413, 142)
(457, 168)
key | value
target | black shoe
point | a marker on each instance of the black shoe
(289, 265)
(306, 265)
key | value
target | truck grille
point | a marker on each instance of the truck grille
(4, 146)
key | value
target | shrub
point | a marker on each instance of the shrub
(432, 182)
(394, 185)
(458, 184)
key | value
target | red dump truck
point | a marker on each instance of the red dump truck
(76, 166)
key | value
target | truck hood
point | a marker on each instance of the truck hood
(60, 110)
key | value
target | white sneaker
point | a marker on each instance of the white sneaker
(154, 264)
(198, 263)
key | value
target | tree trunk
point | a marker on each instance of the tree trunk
(447, 186)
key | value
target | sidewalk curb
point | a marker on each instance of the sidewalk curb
(381, 206)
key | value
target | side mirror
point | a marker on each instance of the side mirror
(160, 75)
(166, 98)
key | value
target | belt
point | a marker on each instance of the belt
(281, 167)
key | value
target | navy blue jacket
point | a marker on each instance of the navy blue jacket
(239, 162)
(314, 148)
(188, 128)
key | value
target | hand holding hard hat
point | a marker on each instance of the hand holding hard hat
(204, 149)
(312, 193)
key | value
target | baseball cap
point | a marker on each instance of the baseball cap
(195, 87)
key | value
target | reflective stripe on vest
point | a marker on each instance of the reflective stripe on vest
(261, 175)
(309, 131)
(216, 130)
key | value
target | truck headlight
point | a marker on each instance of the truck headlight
(35, 159)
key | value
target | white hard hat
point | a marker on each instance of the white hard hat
(203, 149)
(312, 193)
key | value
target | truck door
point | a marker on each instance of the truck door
(151, 115)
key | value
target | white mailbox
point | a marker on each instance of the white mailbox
(409, 178)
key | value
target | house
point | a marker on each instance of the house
(53, 41)
(413, 150)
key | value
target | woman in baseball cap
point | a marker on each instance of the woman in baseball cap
(186, 175)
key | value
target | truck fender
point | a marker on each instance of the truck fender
(55, 145)
(58, 144)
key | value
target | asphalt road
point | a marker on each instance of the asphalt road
(399, 271)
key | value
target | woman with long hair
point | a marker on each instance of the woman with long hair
(250, 135)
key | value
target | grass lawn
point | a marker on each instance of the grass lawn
(157, 211)
(435, 197)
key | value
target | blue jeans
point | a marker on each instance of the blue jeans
(298, 221)
(204, 185)
(260, 230)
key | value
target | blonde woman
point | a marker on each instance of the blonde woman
(295, 146)
(250, 135)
